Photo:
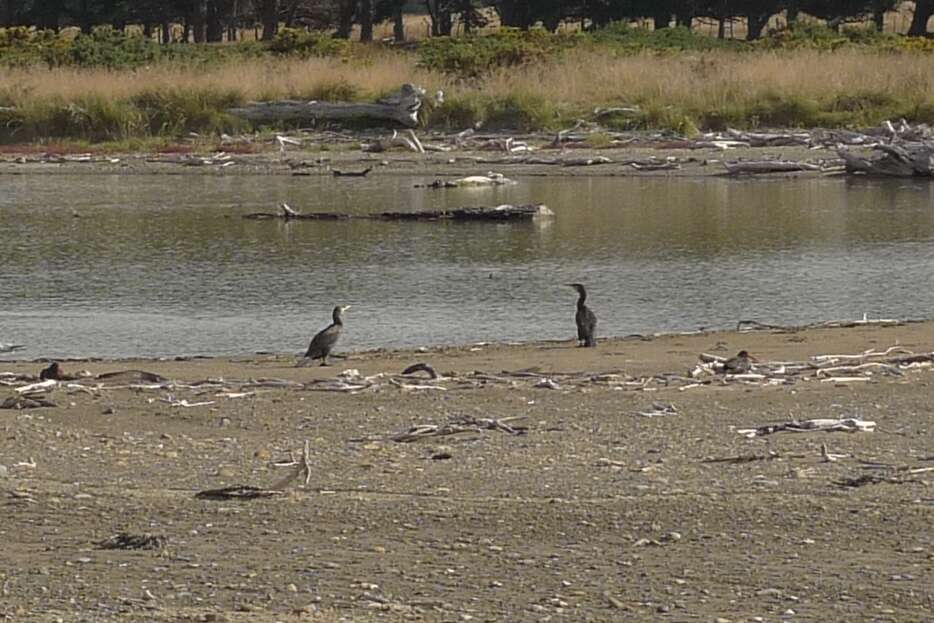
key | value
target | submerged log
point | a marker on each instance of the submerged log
(505, 212)
(401, 108)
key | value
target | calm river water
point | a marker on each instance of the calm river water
(164, 265)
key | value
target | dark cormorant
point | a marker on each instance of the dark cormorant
(740, 364)
(585, 318)
(53, 372)
(322, 343)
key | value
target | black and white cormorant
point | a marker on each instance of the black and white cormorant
(585, 318)
(322, 344)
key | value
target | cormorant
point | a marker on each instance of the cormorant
(585, 318)
(53, 372)
(740, 364)
(322, 343)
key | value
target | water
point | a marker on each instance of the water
(164, 265)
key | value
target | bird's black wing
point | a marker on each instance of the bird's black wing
(323, 342)
(590, 327)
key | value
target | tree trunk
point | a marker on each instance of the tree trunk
(345, 18)
(270, 19)
(366, 21)
(398, 22)
(215, 23)
(515, 13)
(234, 21)
(432, 6)
(755, 24)
(721, 28)
(919, 22)
(85, 17)
(685, 19)
(792, 14)
(166, 28)
(290, 16)
(198, 20)
(445, 23)
(467, 15)
(662, 20)
(441, 18)
(878, 14)
(47, 14)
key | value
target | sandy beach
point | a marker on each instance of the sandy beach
(590, 503)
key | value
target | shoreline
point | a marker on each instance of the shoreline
(691, 162)
(642, 349)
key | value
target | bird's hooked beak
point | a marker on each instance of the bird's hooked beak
(345, 308)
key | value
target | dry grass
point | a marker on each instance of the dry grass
(712, 79)
(252, 80)
(580, 80)
(795, 88)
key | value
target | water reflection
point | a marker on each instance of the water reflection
(159, 265)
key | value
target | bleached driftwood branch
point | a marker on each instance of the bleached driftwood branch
(868, 366)
(755, 325)
(463, 425)
(768, 166)
(847, 425)
(905, 151)
(901, 159)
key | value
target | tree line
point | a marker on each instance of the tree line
(215, 20)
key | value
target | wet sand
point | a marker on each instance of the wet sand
(594, 514)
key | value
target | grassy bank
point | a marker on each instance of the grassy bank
(535, 82)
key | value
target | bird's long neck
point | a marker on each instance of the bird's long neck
(581, 298)
(338, 318)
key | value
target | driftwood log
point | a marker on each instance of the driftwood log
(897, 159)
(504, 212)
(401, 108)
(768, 166)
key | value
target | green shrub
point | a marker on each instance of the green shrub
(519, 111)
(667, 118)
(804, 34)
(785, 111)
(456, 113)
(818, 36)
(476, 55)
(175, 112)
(298, 42)
(107, 47)
(718, 120)
(93, 117)
(863, 100)
(622, 35)
(336, 91)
